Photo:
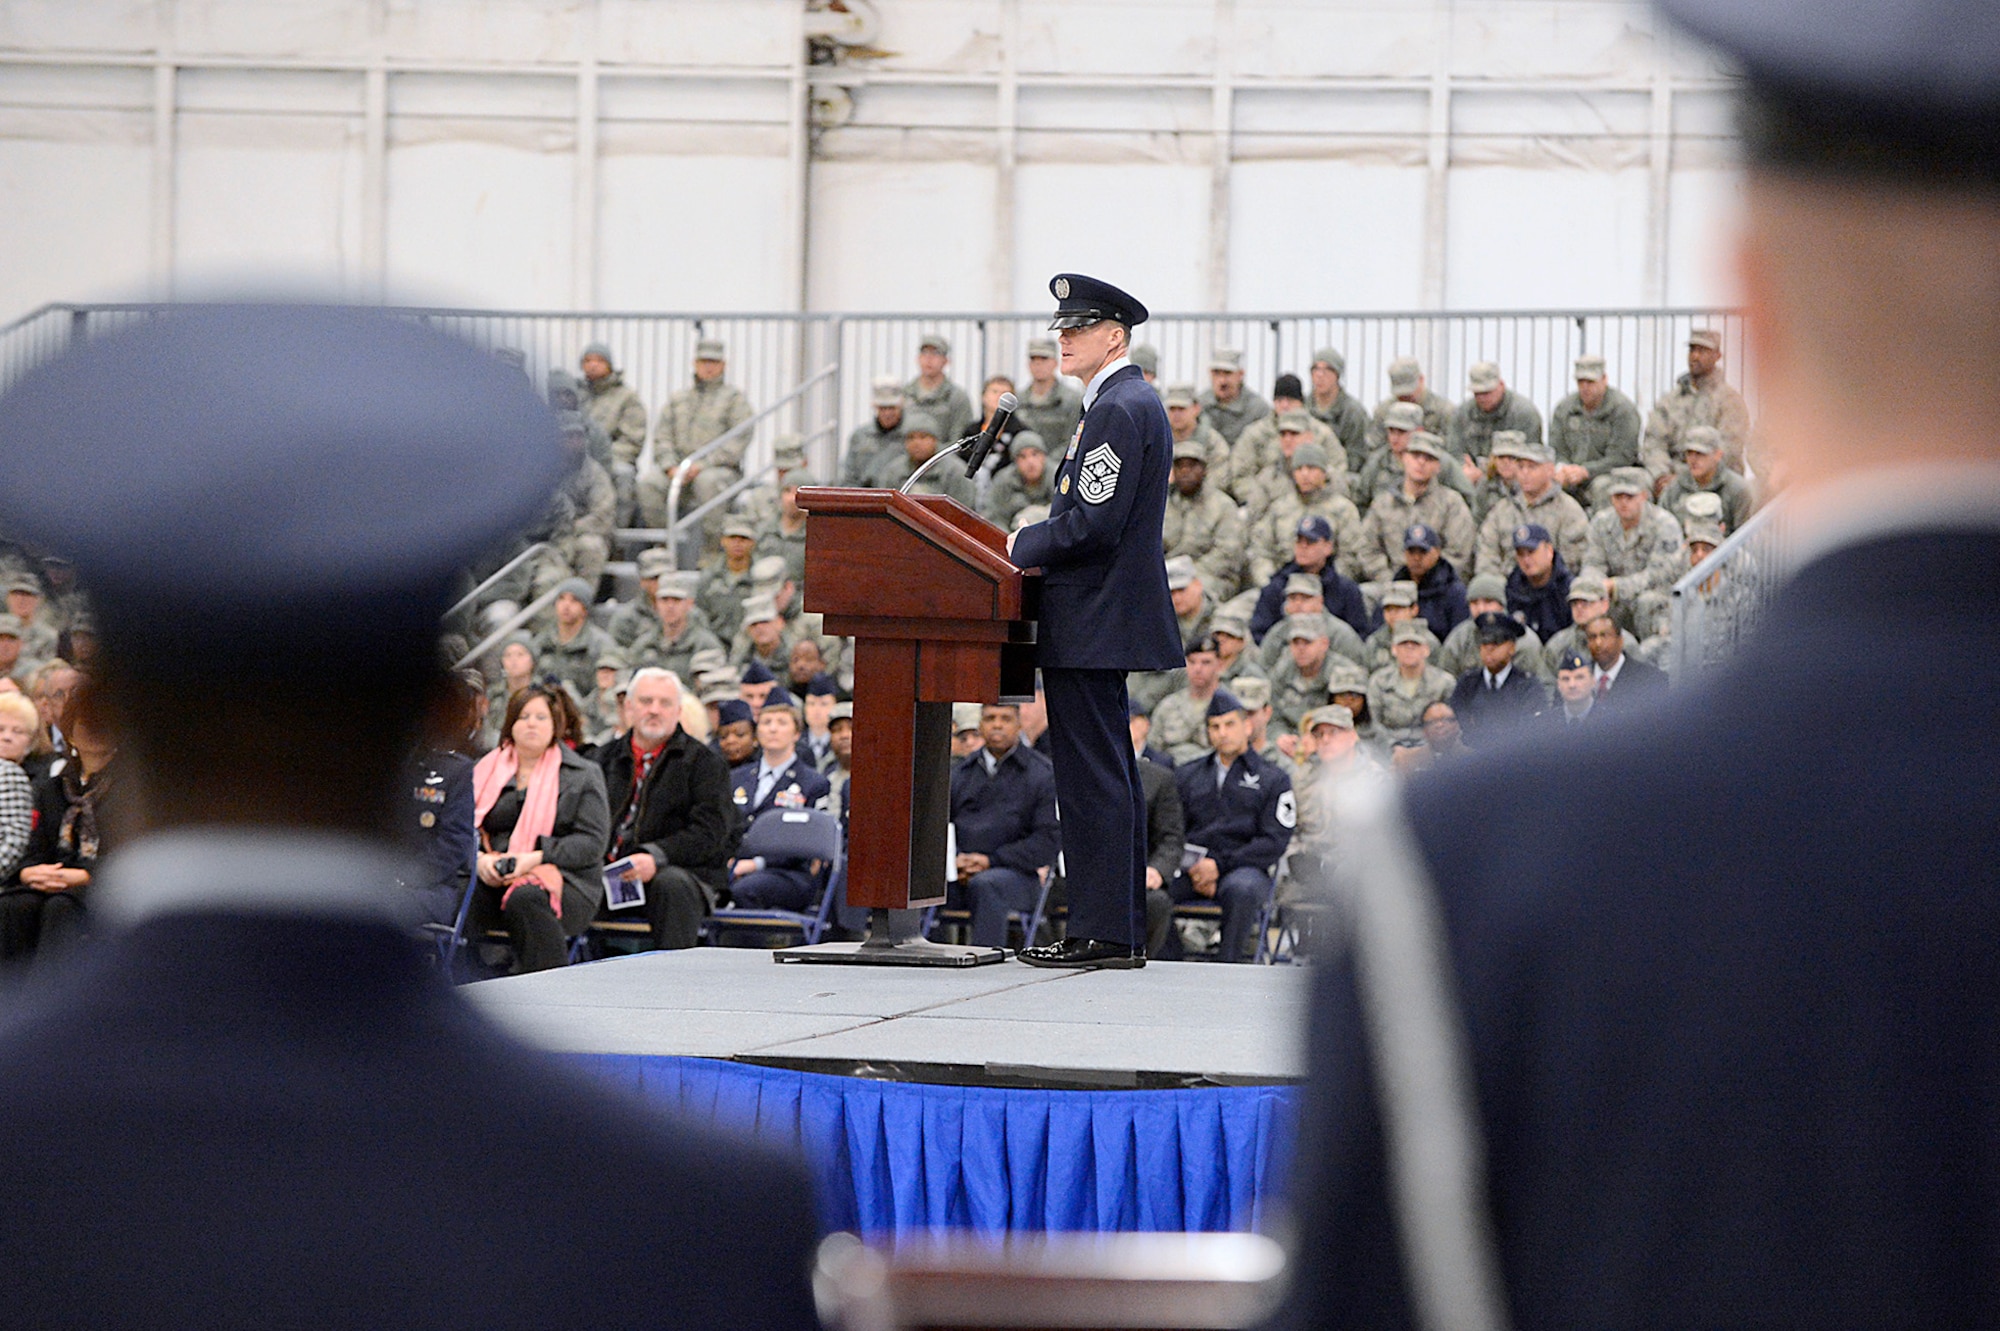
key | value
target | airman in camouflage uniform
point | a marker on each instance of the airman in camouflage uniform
(1299, 681)
(788, 455)
(1180, 720)
(1231, 627)
(1399, 606)
(1588, 599)
(1491, 407)
(1699, 397)
(1705, 471)
(1311, 492)
(1633, 545)
(614, 407)
(1202, 524)
(1184, 418)
(579, 520)
(877, 438)
(1260, 460)
(1228, 406)
(784, 534)
(1305, 598)
(1536, 499)
(1399, 693)
(636, 618)
(1460, 652)
(922, 437)
(674, 639)
(1013, 489)
(1418, 499)
(950, 409)
(727, 582)
(693, 418)
(1384, 468)
(1406, 384)
(572, 659)
(1049, 405)
(1594, 431)
(1333, 406)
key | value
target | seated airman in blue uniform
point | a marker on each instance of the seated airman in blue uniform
(1239, 807)
(780, 777)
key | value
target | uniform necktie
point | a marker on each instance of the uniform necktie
(766, 778)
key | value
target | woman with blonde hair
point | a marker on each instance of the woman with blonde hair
(20, 728)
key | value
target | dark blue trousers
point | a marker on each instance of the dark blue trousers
(1102, 806)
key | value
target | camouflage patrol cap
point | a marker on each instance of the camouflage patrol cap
(1191, 448)
(656, 562)
(1703, 504)
(1027, 441)
(1180, 395)
(798, 478)
(1233, 622)
(22, 582)
(964, 717)
(1305, 584)
(1511, 444)
(610, 661)
(1401, 593)
(1333, 714)
(842, 711)
(1146, 358)
(1304, 628)
(1344, 676)
(1586, 587)
(1486, 587)
(937, 342)
(1295, 422)
(1425, 443)
(1180, 572)
(1624, 485)
(1705, 337)
(1483, 377)
(1589, 369)
(710, 348)
(677, 585)
(788, 451)
(740, 527)
(1044, 347)
(10, 627)
(760, 610)
(888, 391)
(718, 692)
(1404, 375)
(1704, 533)
(1403, 416)
(920, 422)
(1252, 691)
(1535, 450)
(1309, 455)
(1332, 359)
(1702, 439)
(1412, 630)
(767, 573)
(1226, 358)
(708, 661)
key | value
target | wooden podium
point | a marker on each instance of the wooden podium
(938, 615)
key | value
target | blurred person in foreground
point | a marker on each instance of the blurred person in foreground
(1744, 1077)
(272, 1113)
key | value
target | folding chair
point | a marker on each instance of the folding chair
(449, 940)
(1209, 910)
(786, 834)
(1029, 920)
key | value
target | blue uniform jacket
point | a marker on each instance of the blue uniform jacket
(1248, 821)
(1486, 714)
(799, 786)
(1441, 599)
(1343, 601)
(1733, 1070)
(1105, 604)
(441, 830)
(1009, 817)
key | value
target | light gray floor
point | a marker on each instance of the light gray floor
(1233, 1023)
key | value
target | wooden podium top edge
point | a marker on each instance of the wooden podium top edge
(939, 518)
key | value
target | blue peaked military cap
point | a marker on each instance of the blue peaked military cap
(822, 686)
(1492, 626)
(249, 487)
(1082, 301)
(1572, 660)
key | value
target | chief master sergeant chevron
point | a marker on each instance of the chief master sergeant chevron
(1105, 611)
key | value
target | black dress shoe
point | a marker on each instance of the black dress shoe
(1086, 954)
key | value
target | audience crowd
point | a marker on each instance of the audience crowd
(1391, 587)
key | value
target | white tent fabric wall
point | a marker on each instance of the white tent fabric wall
(664, 154)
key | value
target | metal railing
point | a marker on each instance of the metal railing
(1724, 598)
(518, 620)
(492, 579)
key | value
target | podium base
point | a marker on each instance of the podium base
(883, 948)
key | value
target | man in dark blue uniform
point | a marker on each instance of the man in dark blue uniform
(254, 1105)
(1003, 812)
(1594, 1066)
(1494, 696)
(1240, 808)
(1105, 611)
(779, 778)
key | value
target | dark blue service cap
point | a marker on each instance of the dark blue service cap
(1572, 660)
(822, 686)
(758, 673)
(1224, 702)
(731, 710)
(1082, 301)
(780, 697)
(255, 487)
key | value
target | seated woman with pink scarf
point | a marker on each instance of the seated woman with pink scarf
(543, 825)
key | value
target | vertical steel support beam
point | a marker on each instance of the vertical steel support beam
(165, 152)
(1007, 120)
(1659, 198)
(583, 204)
(1222, 131)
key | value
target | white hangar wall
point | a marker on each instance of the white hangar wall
(940, 155)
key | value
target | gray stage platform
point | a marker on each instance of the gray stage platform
(1011, 1024)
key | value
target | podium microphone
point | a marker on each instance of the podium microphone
(982, 444)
